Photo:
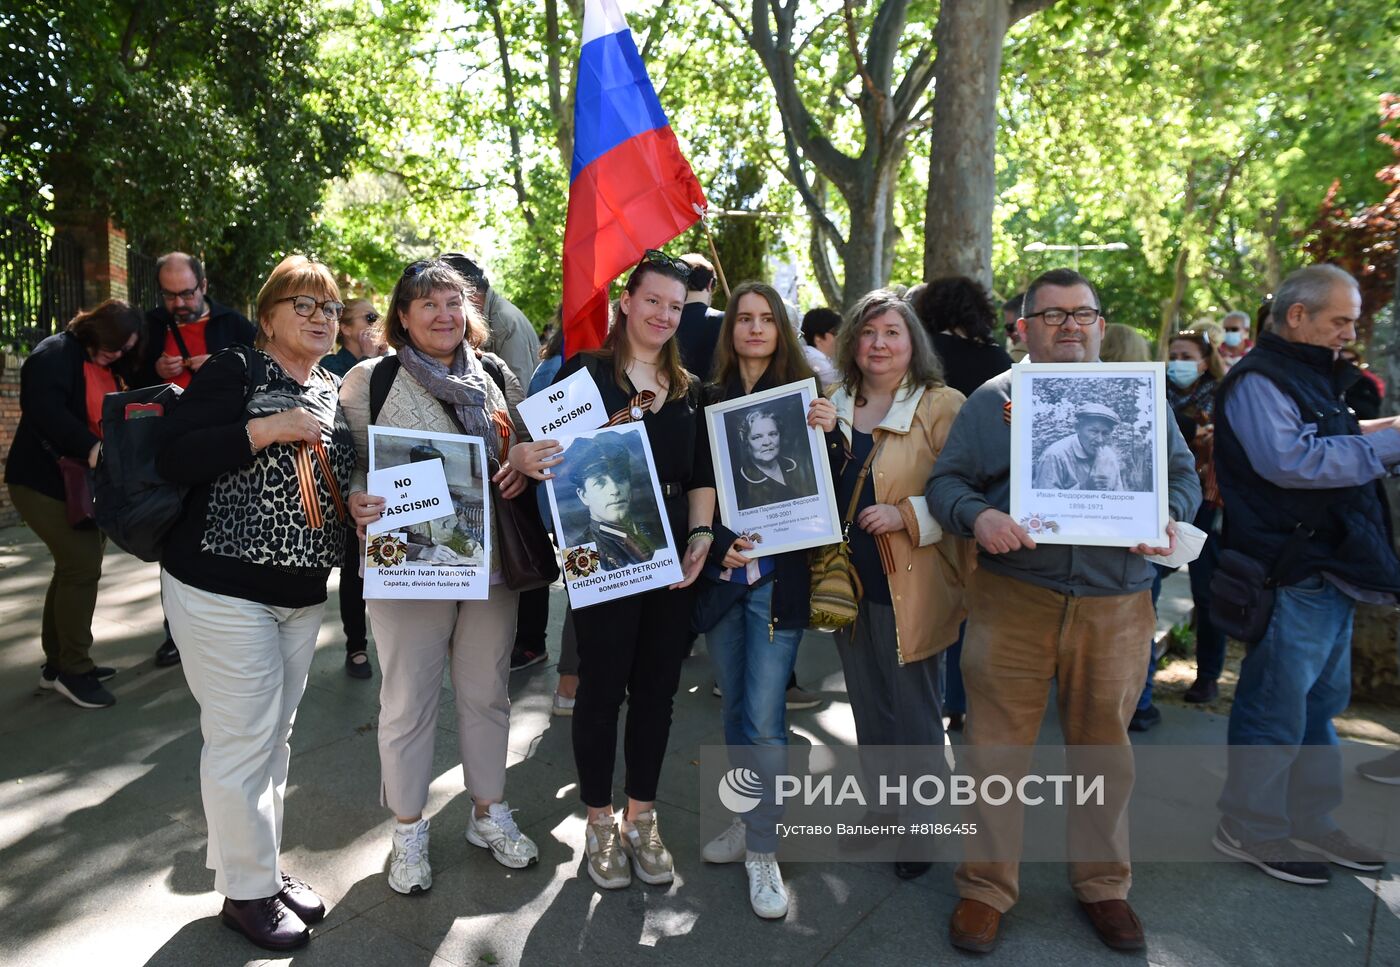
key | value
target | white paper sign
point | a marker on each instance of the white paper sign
(412, 492)
(569, 407)
(610, 517)
(443, 557)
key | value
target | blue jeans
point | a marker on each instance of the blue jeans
(752, 672)
(1291, 685)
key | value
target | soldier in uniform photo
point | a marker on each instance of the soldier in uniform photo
(602, 479)
(1086, 459)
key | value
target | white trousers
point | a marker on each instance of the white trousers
(415, 639)
(246, 664)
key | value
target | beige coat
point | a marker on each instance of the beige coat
(930, 567)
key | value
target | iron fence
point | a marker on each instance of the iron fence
(41, 282)
(141, 288)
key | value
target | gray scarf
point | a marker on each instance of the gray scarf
(463, 388)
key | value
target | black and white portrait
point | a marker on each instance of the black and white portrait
(769, 454)
(606, 497)
(453, 540)
(772, 476)
(1092, 434)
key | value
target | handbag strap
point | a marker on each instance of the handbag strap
(860, 485)
(1288, 555)
(179, 340)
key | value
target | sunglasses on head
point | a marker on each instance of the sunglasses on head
(654, 256)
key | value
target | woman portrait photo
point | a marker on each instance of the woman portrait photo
(769, 453)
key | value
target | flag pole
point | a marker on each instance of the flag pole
(714, 253)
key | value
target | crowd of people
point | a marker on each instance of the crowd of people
(964, 621)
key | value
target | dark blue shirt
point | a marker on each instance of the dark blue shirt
(864, 554)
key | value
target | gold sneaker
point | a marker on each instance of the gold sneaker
(650, 857)
(607, 864)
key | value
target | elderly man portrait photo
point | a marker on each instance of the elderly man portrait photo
(1085, 459)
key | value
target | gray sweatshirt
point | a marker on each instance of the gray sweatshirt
(973, 473)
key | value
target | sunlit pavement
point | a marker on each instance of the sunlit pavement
(102, 837)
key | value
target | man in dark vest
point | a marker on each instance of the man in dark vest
(181, 333)
(1300, 479)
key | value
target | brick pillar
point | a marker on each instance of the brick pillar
(9, 420)
(103, 245)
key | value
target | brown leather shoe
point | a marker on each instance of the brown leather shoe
(1116, 923)
(266, 922)
(974, 926)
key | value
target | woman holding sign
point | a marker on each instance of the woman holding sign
(441, 385)
(894, 413)
(630, 648)
(766, 600)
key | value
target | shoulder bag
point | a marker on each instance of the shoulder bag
(836, 588)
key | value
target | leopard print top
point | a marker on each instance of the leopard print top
(255, 513)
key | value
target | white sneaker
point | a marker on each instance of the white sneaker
(497, 832)
(728, 846)
(767, 895)
(409, 871)
(562, 705)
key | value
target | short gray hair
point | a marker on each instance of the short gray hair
(1243, 317)
(1311, 287)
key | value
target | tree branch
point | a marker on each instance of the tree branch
(734, 18)
(517, 164)
(654, 30)
(1021, 9)
(853, 45)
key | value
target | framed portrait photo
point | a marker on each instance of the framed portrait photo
(771, 470)
(1089, 452)
(437, 543)
(609, 517)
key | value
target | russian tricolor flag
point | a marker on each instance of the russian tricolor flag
(630, 189)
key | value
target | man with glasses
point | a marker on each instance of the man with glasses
(1237, 341)
(187, 327)
(1079, 617)
(181, 333)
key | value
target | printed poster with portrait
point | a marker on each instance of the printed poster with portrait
(1089, 453)
(771, 470)
(609, 517)
(430, 555)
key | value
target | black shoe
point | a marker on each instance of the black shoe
(302, 900)
(907, 870)
(49, 674)
(525, 657)
(167, 654)
(1277, 857)
(956, 720)
(268, 923)
(1202, 690)
(84, 691)
(1144, 719)
(358, 669)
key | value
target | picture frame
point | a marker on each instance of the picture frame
(1089, 453)
(610, 519)
(445, 558)
(772, 474)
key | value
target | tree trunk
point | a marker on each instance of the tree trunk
(962, 160)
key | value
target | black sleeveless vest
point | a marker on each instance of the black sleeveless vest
(1353, 535)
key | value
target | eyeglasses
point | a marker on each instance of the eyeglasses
(304, 306)
(1084, 316)
(1195, 335)
(657, 257)
(412, 269)
(184, 295)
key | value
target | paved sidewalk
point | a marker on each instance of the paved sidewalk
(102, 838)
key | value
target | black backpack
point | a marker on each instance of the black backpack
(135, 506)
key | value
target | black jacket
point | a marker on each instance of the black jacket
(792, 575)
(1352, 536)
(53, 410)
(225, 328)
(696, 337)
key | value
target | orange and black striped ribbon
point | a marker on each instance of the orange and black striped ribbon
(642, 401)
(306, 482)
(882, 544)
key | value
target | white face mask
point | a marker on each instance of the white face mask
(1182, 372)
(1234, 338)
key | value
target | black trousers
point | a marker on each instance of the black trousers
(532, 618)
(352, 596)
(630, 648)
